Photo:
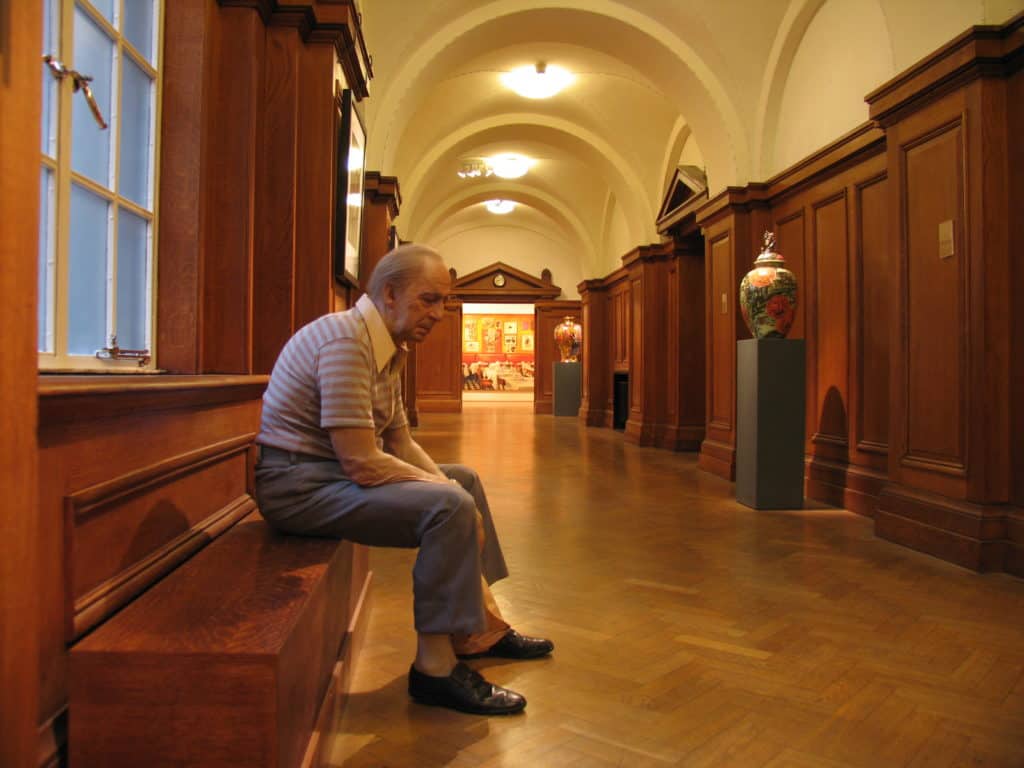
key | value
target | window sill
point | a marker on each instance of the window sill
(71, 398)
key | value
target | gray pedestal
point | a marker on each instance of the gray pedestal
(770, 423)
(567, 388)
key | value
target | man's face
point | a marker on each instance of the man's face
(414, 310)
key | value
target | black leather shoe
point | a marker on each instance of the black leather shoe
(515, 646)
(465, 690)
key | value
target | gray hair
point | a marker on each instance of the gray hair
(399, 267)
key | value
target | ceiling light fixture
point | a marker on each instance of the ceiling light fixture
(500, 207)
(540, 82)
(472, 169)
(509, 166)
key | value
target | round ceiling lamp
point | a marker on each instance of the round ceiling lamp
(540, 82)
(509, 166)
(500, 207)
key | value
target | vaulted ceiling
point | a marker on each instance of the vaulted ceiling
(658, 83)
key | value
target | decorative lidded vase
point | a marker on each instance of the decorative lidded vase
(568, 338)
(768, 294)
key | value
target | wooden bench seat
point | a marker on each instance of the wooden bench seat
(227, 661)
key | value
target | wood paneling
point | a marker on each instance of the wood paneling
(137, 447)
(935, 300)
(314, 198)
(618, 298)
(597, 365)
(439, 365)
(548, 314)
(276, 192)
(873, 318)
(185, 112)
(1015, 104)
(721, 301)
(229, 176)
(830, 308)
(950, 160)
(20, 571)
(685, 318)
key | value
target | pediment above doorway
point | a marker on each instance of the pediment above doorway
(500, 282)
(686, 192)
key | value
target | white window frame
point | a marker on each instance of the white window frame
(57, 239)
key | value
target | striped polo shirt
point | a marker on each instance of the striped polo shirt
(341, 370)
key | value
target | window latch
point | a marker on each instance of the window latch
(114, 352)
(79, 82)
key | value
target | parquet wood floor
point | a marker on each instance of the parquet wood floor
(690, 630)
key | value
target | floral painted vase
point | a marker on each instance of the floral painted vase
(768, 294)
(568, 338)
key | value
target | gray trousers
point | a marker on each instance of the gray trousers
(314, 498)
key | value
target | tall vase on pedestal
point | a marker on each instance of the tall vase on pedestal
(568, 339)
(768, 294)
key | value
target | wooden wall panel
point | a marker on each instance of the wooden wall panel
(638, 373)
(1015, 102)
(88, 439)
(789, 241)
(687, 346)
(721, 301)
(228, 194)
(276, 189)
(829, 390)
(935, 301)
(183, 148)
(20, 570)
(314, 200)
(597, 358)
(874, 319)
(618, 297)
(439, 365)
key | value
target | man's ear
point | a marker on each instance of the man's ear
(389, 294)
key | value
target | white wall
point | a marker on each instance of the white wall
(471, 249)
(843, 55)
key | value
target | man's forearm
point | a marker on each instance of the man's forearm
(383, 468)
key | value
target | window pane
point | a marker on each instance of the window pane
(106, 7)
(132, 280)
(138, 26)
(136, 122)
(51, 40)
(94, 56)
(87, 273)
(47, 199)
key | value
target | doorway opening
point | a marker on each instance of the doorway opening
(497, 352)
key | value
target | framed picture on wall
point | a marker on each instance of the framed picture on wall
(348, 204)
(526, 338)
(510, 327)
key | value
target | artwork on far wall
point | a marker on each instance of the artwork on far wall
(348, 204)
(526, 339)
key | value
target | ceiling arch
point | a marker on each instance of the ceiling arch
(624, 180)
(693, 82)
(562, 217)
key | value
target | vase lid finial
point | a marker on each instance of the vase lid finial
(768, 253)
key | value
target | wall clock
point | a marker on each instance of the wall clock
(499, 280)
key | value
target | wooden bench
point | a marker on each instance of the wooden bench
(232, 659)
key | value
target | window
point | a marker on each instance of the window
(98, 212)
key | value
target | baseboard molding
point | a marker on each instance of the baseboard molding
(681, 438)
(718, 459)
(850, 486)
(970, 535)
(439, 405)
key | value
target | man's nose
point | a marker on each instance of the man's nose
(437, 312)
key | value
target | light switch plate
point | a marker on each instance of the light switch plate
(946, 247)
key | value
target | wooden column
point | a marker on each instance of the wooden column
(597, 366)
(648, 276)
(953, 392)
(438, 365)
(19, 521)
(383, 200)
(684, 396)
(732, 224)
